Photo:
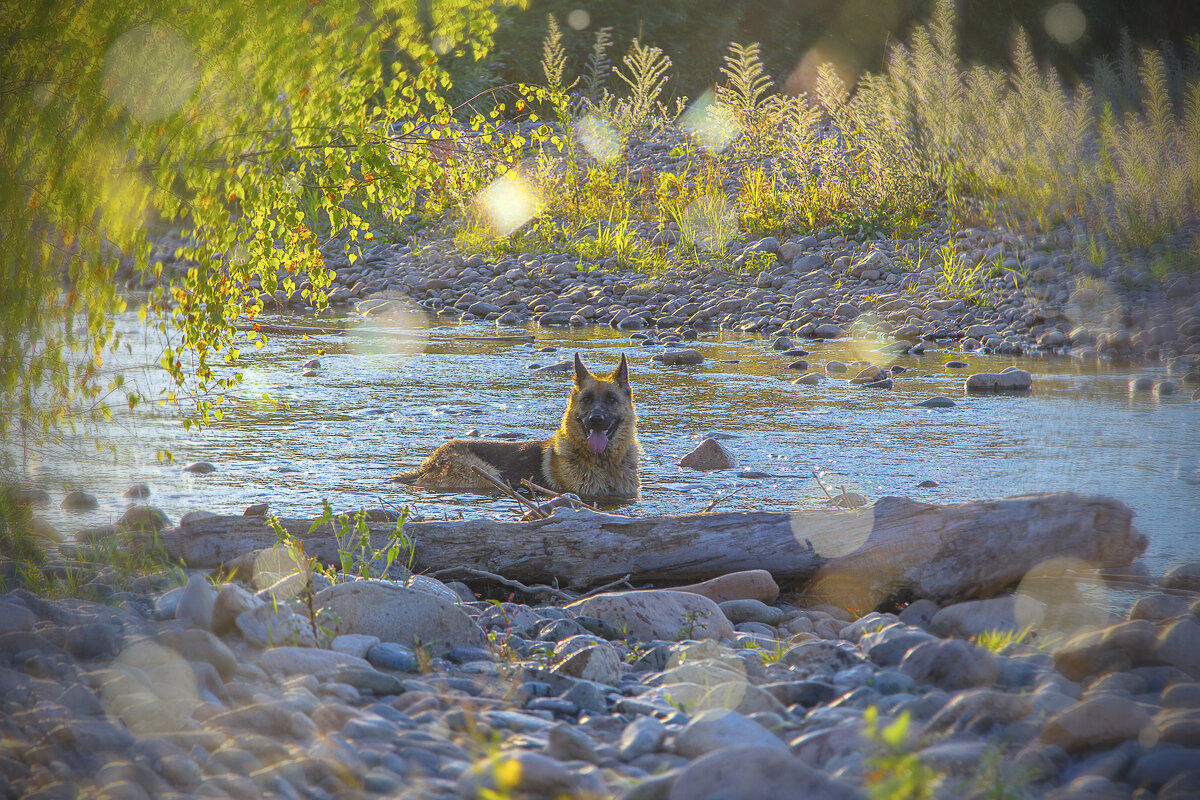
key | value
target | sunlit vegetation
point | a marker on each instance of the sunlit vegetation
(258, 131)
(929, 143)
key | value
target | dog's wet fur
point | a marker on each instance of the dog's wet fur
(594, 453)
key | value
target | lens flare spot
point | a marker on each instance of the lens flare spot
(710, 123)
(1061, 597)
(866, 338)
(271, 565)
(848, 588)
(598, 138)
(709, 222)
(803, 78)
(150, 71)
(832, 533)
(393, 327)
(579, 19)
(507, 204)
(703, 676)
(151, 688)
(1094, 307)
(1065, 22)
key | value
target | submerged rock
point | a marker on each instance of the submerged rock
(708, 456)
(1010, 380)
(682, 357)
(79, 501)
(936, 402)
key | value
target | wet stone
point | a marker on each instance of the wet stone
(392, 656)
(1158, 607)
(79, 501)
(708, 456)
(679, 357)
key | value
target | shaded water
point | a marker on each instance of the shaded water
(380, 405)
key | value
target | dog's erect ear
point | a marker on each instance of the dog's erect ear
(621, 374)
(581, 372)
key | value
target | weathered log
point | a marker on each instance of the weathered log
(578, 548)
(977, 549)
(897, 547)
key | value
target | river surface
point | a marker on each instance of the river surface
(379, 404)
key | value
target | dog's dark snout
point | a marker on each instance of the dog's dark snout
(596, 420)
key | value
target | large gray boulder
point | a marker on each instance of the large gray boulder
(398, 614)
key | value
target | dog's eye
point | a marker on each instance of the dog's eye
(610, 397)
(586, 397)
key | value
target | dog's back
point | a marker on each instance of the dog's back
(450, 466)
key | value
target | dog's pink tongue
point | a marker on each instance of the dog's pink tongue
(597, 441)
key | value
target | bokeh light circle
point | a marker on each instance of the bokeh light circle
(579, 19)
(1065, 23)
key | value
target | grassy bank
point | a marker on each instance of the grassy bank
(930, 143)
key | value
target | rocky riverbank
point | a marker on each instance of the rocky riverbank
(1069, 292)
(417, 688)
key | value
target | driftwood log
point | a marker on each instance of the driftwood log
(898, 546)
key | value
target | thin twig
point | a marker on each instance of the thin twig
(716, 500)
(509, 582)
(555, 495)
(623, 581)
(817, 478)
(508, 490)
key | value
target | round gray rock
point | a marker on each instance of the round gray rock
(707, 456)
(752, 772)
(717, 727)
(398, 614)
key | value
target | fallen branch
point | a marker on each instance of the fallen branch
(553, 495)
(716, 500)
(509, 582)
(511, 492)
(619, 582)
(817, 478)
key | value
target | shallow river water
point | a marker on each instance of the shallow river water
(380, 404)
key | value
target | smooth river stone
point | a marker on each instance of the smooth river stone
(398, 614)
(751, 584)
(753, 772)
(657, 614)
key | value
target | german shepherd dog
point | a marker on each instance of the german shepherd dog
(594, 453)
